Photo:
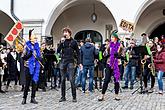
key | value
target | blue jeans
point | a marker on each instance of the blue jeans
(160, 81)
(91, 76)
(79, 76)
(130, 73)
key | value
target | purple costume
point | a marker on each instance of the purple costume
(114, 61)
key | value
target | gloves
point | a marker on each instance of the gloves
(116, 55)
(26, 57)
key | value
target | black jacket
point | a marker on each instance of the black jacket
(134, 60)
(70, 51)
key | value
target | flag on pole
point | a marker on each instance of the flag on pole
(13, 33)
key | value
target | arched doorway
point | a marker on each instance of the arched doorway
(158, 32)
(77, 15)
(6, 23)
(2, 41)
(149, 18)
(94, 35)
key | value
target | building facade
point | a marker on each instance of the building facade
(48, 17)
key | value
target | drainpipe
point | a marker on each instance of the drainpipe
(12, 11)
(13, 14)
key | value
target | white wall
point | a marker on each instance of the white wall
(44, 9)
(78, 18)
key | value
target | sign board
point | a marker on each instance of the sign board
(13, 33)
(127, 26)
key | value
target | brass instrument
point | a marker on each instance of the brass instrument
(143, 61)
(151, 65)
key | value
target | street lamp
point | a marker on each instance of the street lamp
(94, 16)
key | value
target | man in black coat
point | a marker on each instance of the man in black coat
(69, 50)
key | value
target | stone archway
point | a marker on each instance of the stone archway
(76, 14)
(6, 23)
(150, 17)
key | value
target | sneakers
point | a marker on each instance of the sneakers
(74, 100)
(145, 90)
(160, 92)
(100, 99)
(150, 90)
(116, 97)
(33, 101)
(83, 92)
(62, 99)
(24, 101)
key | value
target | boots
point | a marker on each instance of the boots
(24, 101)
(33, 101)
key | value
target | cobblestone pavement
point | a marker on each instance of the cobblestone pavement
(49, 100)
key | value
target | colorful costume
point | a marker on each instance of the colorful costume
(114, 61)
(34, 66)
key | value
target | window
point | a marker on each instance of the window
(94, 35)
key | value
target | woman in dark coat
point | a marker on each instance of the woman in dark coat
(12, 68)
(22, 74)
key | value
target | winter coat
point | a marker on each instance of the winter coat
(70, 51)
(12, 66)
(160, 60)
(87, 54)
(32, 62)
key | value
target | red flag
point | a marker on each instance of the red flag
(13, 33)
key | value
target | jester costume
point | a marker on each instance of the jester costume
(34, 66)
(31, 56)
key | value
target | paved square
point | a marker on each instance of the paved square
(49, 100)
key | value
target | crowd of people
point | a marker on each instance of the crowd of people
(78, 61)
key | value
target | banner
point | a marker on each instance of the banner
(13, 33)
(127, 26)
